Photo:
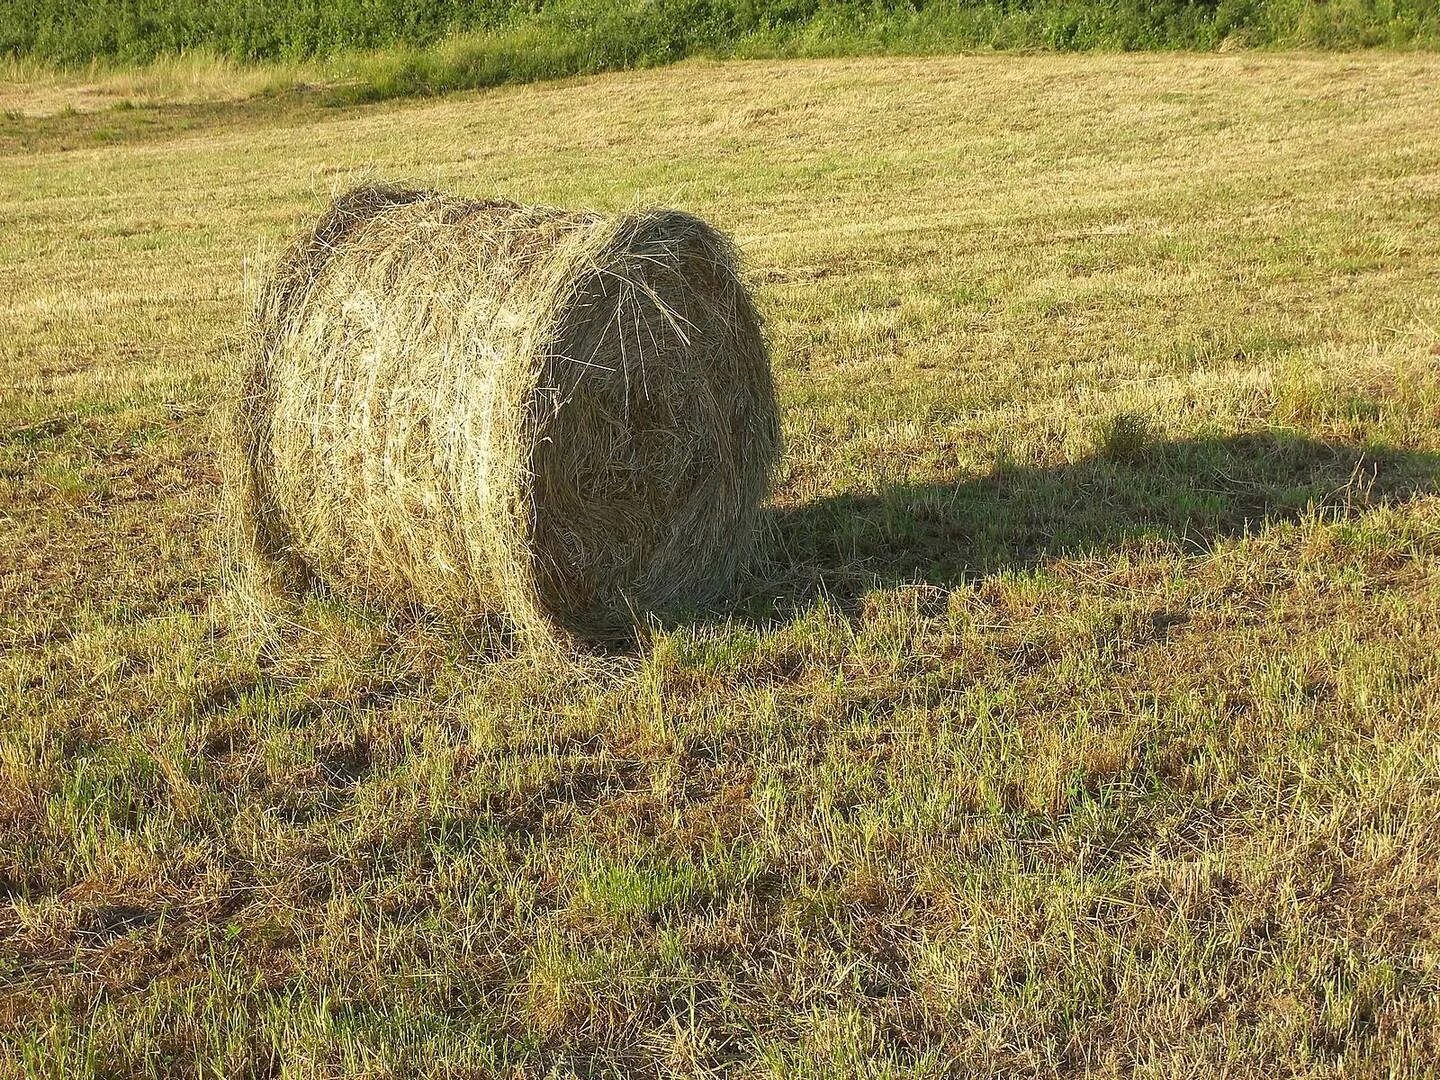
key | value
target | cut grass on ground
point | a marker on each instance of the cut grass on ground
(1083, 718)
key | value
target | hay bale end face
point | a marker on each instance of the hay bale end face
(480, 407)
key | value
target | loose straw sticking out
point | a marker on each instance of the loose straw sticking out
(481, 407)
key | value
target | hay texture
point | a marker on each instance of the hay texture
(478, 407)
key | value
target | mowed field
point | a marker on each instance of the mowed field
(1083, 716)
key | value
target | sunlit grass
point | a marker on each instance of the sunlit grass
(1082, 718)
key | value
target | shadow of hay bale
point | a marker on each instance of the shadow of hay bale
(1195, 493)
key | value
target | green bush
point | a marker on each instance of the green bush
(444, 44)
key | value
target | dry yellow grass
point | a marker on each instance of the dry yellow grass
(29, 89)
(1086, 723)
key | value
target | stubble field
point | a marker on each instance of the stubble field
(1082, 716)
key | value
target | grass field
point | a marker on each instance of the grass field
(1082, 718)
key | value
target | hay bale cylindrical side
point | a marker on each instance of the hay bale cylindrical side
(480, 407)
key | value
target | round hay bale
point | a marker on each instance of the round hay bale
(480, 407)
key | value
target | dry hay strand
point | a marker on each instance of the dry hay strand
(475, 408)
